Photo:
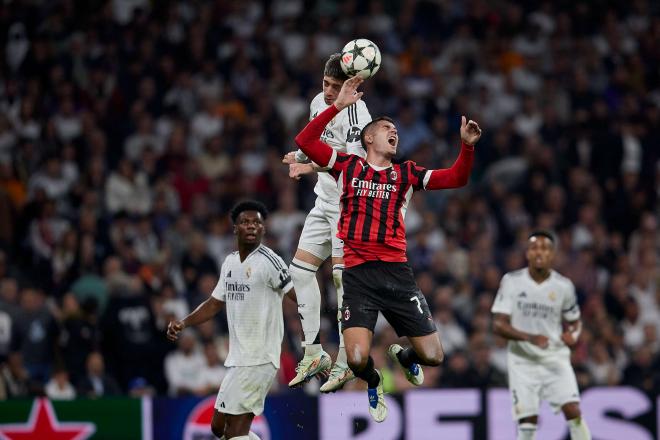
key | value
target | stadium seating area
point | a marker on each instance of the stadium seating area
(129, 128)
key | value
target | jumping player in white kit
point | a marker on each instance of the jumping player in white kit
(537, 311)
(252, 284)
(318, 239)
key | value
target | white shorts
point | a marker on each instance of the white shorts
(552, 380)
(319, 235)
(244, 389)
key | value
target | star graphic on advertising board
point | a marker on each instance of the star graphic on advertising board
(43, 424)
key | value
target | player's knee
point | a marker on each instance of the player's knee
(434, 357)
(571, 411)
(356, 360)
(435, 360)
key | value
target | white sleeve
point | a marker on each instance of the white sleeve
(278, 274)
(219, 291)
(569, 308)
(503, 303)
(356, 118)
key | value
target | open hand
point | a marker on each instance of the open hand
(173, 330)
(348, 94)
(470, 131)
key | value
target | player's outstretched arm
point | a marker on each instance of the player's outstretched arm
(459, 173)
(308, 139)
(202, 313)
(502, 327)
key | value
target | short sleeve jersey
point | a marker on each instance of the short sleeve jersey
(253, 290)
(537, 309)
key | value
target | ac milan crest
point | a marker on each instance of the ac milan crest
(393, 175)
(347, 314)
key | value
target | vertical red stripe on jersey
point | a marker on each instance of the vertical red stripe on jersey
(360, 173)
(347, 195)
(400, 198)
(363, 216)
(386, 206)
(369, 212)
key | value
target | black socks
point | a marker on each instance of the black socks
(407, 357)
(368, 374)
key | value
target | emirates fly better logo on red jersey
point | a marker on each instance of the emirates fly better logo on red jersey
(369, 188)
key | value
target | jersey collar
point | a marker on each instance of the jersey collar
(250, 254)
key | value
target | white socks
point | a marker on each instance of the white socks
(251, 436)
(579, 429)
(526, 431)
(337, 272)
(308, 293)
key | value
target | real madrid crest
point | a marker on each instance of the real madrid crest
(248, 272)
(552, 296)
(394, 175)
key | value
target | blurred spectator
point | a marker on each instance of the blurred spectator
(139, 387)
(127, 190)
(59, 387)
(38, 334)
(214, 370)
(79, 334)
(96, 383)
(130, 340)
(196, 262)
(184, 367)
(9, 315)
(16, 380)
(456, 371)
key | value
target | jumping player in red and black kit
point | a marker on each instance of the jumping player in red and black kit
(374, 197)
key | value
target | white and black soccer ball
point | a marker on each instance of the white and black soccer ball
(360, 57)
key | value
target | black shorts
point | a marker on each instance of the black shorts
(389, 288)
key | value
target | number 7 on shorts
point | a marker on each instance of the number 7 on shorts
(419, 305)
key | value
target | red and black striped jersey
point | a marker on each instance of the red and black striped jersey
(373, 199)
(373, 207)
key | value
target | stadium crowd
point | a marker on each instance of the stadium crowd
(129, 128)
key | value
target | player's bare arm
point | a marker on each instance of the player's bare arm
(571, 332)
(291, 294)
(202, 313)
(502, 327)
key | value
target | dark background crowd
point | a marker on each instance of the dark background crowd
(128, 129)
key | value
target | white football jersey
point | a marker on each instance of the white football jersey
(252, 291)
(537, 309)
(343, 135)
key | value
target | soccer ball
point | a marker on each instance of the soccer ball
(360, 57)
